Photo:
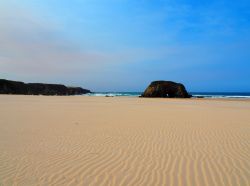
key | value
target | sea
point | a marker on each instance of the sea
(242, 95)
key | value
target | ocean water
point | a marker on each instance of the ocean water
(245, 95)
(221, 94)
(115, 94)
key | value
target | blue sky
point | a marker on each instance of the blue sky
(123, 45)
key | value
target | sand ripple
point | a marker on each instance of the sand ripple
(123, 141)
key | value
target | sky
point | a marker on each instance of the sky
(123, 45)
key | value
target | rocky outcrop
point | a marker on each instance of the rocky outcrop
(15, 87)
(77, 91)
(166, 89)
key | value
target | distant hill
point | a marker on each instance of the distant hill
(21, 88)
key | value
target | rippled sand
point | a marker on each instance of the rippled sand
(123, 141)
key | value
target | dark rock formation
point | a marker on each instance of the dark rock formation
(77, 91)
(166, 89)
(15, 87)
(12, 87)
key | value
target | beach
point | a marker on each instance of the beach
(112, 141)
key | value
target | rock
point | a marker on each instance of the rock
(15, 87)
(46, 89)
(166, 89)
(12, 87)
(198, 96)
(77, 91)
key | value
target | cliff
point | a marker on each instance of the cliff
(16, 87)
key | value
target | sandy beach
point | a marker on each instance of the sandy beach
(123, 141)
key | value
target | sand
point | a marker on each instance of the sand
(123, 141)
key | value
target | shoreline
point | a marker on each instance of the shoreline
(134, 97)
